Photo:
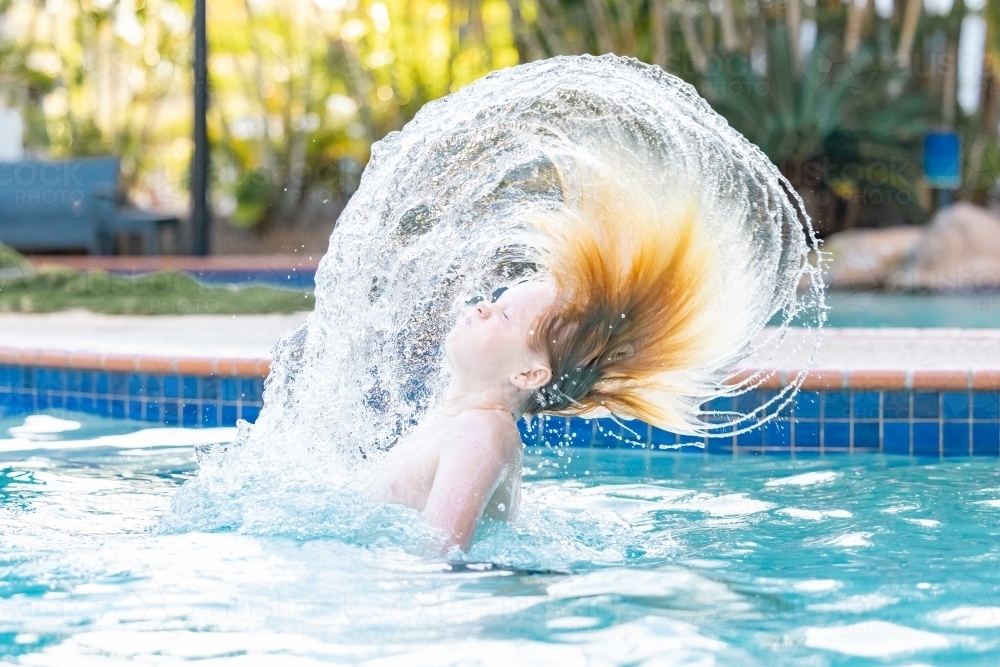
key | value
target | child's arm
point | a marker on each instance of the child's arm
(469, 470)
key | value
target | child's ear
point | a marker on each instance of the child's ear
(534, 378)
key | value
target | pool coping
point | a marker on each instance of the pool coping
(143, 363)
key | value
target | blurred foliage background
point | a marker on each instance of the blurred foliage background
(838, 94)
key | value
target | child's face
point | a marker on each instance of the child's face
(489, 343)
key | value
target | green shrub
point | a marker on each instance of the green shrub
(52, 289)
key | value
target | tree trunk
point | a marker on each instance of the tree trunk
(857, 11)
(730, 38)
(908, 32)
(554, 38)
(602, 28)
(698, 57)
(948, 98)
(661, 33)
(626, 27)
(793, 15)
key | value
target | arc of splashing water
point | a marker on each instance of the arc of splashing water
(436, 219)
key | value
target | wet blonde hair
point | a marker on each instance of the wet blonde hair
(631, 331)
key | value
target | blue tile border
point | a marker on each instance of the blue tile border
(917, 423)
(943, 424)
(171, 400)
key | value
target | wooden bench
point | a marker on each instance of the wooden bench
(72, 205)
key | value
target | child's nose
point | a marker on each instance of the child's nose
(482, 310)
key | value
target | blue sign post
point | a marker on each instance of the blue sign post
(942, 163)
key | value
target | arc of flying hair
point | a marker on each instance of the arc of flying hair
(632, 330)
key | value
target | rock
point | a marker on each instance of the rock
(864, 258)
(960, 252)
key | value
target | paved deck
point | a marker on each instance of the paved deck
(195, 344)
(941, 358)
(226, 336)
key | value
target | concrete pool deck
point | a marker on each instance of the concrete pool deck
(195, 344)
(240, 345)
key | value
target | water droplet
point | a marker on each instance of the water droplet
(399, 282)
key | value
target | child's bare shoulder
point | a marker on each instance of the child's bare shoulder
(487, 427)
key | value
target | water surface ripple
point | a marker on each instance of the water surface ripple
(619, 558)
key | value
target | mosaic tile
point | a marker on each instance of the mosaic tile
(607, 434)
(896, 437)
(942, 423)
(754, 438)
(837, 435)
(985, 405)
(635, 433)
(722, 446)
(925, 405)
(170, 417)
(956, 439)
(721, 404)
(210, 389)
(103, 383)
(926, 438)
(837, 405)
(866, 405)
(986, 439)
(209, 415)
(118, 384)
(807, 405)
(778, 433)
(807, 434)
(955, 405)
(189, 415)
(229, 413)
(661, 437)
(896, 405)
(580, 432)
(748, 402)
(866, 435)
(251, 390)
(171, 386)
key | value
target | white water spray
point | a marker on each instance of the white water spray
(438, 218)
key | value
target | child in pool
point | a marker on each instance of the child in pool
(616, 323)
(464, 460)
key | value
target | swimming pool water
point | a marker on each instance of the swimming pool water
(620, 558)
(887, 309)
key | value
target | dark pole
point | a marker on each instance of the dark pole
(199, 164)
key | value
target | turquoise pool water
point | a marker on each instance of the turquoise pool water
(875, 309)
(619, 558)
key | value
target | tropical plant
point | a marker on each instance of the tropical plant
(299, 91)
(103, 76)
(835, 92)
(846, 130)
(306, 88)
